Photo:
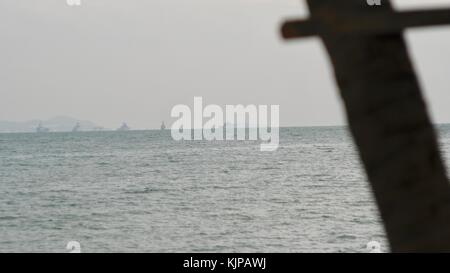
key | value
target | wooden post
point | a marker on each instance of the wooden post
(387, 115)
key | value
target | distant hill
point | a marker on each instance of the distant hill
(56, 124)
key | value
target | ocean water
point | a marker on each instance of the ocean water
(140, 191)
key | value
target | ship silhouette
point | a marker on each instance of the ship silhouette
(76, 128)
(41, 129)
(124, 127)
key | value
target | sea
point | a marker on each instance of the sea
(141, 191)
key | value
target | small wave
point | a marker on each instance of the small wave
(145, 191)
(269, 168)
(346, 237)
(8, 218)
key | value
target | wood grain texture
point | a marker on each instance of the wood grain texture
(390, 124)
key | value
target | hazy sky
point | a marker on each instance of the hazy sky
(111, 61)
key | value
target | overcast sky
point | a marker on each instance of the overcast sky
(111, 61)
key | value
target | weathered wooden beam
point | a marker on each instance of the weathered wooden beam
(365, 24)
(387, 117)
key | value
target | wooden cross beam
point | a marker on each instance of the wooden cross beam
(376, 21)
(387, 115)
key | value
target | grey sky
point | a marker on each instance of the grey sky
(111, 61)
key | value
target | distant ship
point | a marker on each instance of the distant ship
(41, 129)
(124, 127)
(163, 126)
(76, 128)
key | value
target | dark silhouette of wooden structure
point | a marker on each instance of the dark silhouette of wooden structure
(387, 114)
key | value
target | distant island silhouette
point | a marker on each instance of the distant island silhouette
(56, 124)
